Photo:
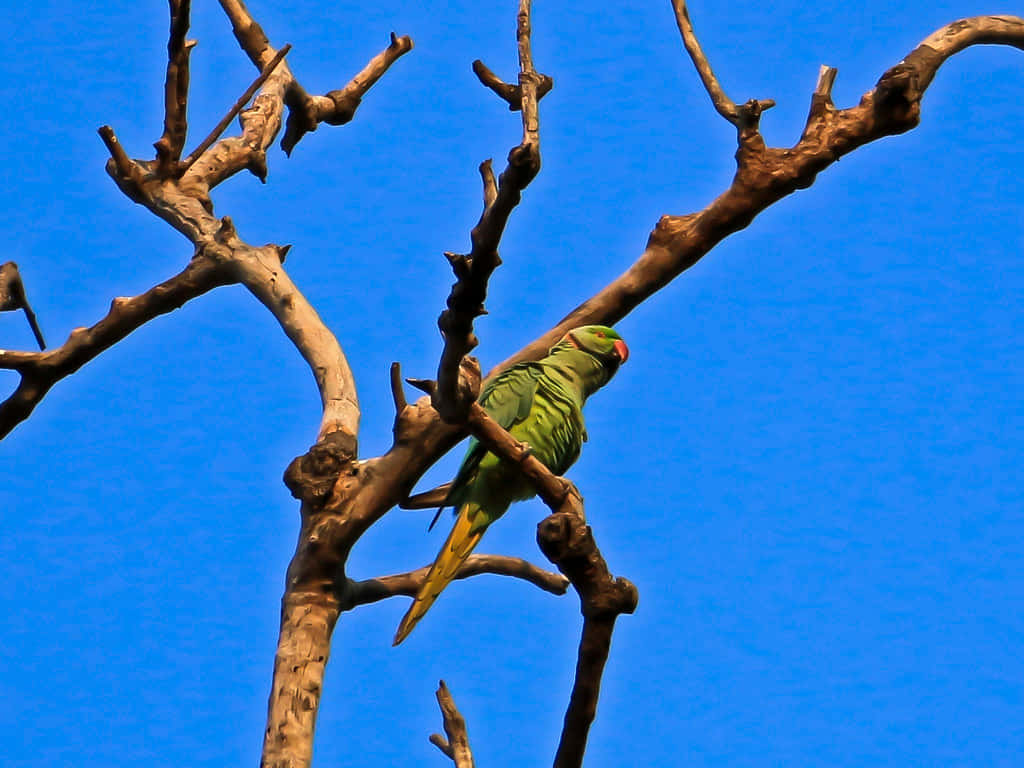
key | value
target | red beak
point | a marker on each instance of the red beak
(622, 350)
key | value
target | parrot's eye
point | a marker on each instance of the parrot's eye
(600, 334)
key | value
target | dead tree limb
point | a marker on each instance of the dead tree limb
(472, 271)
(765, 175)
(13, 297)
(170, 145)
(568, 542)
(408, 584)
(456, 746)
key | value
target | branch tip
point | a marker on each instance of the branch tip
(397, 393)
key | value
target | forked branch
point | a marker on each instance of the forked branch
(12, 297)
(765, 175)
(456, 746)
(472, 271)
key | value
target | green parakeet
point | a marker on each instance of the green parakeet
(539, 403)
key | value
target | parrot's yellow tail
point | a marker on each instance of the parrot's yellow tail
(453, 554)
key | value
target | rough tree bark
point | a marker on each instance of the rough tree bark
(341, 496)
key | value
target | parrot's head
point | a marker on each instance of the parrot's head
(600, 341)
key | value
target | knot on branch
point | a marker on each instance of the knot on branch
(453, 406)
(568, 542)
(524, 162)
(897, 97)
(345, 105)
(312, 476)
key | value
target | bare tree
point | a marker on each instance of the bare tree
(341, 496)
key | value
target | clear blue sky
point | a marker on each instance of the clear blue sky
(810, 467)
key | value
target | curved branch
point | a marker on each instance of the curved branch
(766, 175)
(741, 117)
(408, 584)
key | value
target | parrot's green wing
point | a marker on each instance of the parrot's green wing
(507, 398)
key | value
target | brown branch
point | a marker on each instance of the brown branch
(466, 301)
(170, 144)
(306, 112)
(126, 172)
(456, 746)
(397, 393)
(510, 93)
(490, 183)
(408, 584)
(765, 175)
(235, 109)
(742, 117)
(12, 297)
(568, 542)
(339, 106)
(41, 370)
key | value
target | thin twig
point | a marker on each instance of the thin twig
(408, 584)
(13, 297)
(235, 109)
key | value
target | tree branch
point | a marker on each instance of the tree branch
(235, 109)
(742, 117)
(339, 106)
(41, 370)
(456, 746)
(766, 175)
(12, 297)
(466, 301)
(408, 584)
(568, 542)
(170, 144)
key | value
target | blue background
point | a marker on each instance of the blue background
(810, 467)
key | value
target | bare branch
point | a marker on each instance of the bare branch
(41, 370)
(235, 109)
(490, 183)
(456, 746)
(408, 584)
(466, 301)
(766, 175)
(170, 144)
(397, 393)
(568, 542)
(126, 172)
(510, 93)
(433, 498)
(12, 297)
(741, 117)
